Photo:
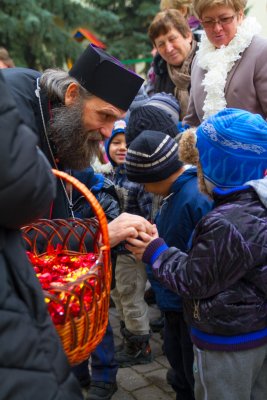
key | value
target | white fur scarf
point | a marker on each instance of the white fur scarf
(219, 62)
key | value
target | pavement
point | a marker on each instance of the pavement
(143, 381)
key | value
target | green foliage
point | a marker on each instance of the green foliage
(247, 9)
(39, 33)
(127, 39)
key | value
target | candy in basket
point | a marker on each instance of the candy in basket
(71, 259)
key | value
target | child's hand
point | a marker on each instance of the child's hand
(138, 245)
(126, 226)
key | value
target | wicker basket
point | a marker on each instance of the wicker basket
(81, 333)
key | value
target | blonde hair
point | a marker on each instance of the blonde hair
(200, 5)
(176, 5)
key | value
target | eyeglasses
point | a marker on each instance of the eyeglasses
(210, 23)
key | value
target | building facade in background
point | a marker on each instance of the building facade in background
(258, 9)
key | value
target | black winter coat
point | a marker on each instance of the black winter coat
(23, 84)
(163, 82)
(32, 362)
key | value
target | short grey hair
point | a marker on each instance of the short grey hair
(56, 81)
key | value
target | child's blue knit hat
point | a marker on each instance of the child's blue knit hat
(232, 146)
(119, 127)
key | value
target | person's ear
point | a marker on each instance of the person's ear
(190, 36)
(71, 94)
(240, 16)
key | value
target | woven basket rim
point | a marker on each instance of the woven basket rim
(81, 334)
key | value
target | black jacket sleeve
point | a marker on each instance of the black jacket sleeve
(27, 185)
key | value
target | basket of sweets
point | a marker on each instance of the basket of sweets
(71, 258)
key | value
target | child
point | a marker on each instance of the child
(159, 113)
(157, 116)
(130, 275)
(102, 383)
(152, 159)
(223, 278)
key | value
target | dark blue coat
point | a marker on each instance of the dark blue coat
(104, 191)
(176, 221)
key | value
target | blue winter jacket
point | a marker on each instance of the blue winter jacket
(176, 220)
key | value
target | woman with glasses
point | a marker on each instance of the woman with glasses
(172, 37)
(230, 68)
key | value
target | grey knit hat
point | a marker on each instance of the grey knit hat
(166, 102)
(140, 100)
(149, 118)
(152, 157)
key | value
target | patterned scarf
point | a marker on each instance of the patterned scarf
(181, 77)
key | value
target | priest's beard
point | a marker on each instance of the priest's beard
(75, 146)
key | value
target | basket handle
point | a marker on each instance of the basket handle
(98, 210)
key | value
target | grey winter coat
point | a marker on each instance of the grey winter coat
(246, 84)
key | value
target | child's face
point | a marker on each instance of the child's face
(117, 149)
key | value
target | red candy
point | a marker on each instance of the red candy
(58, 270)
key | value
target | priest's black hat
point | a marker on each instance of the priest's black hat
(106, 77)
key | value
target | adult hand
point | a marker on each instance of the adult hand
(138, 245)
(128, 226)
